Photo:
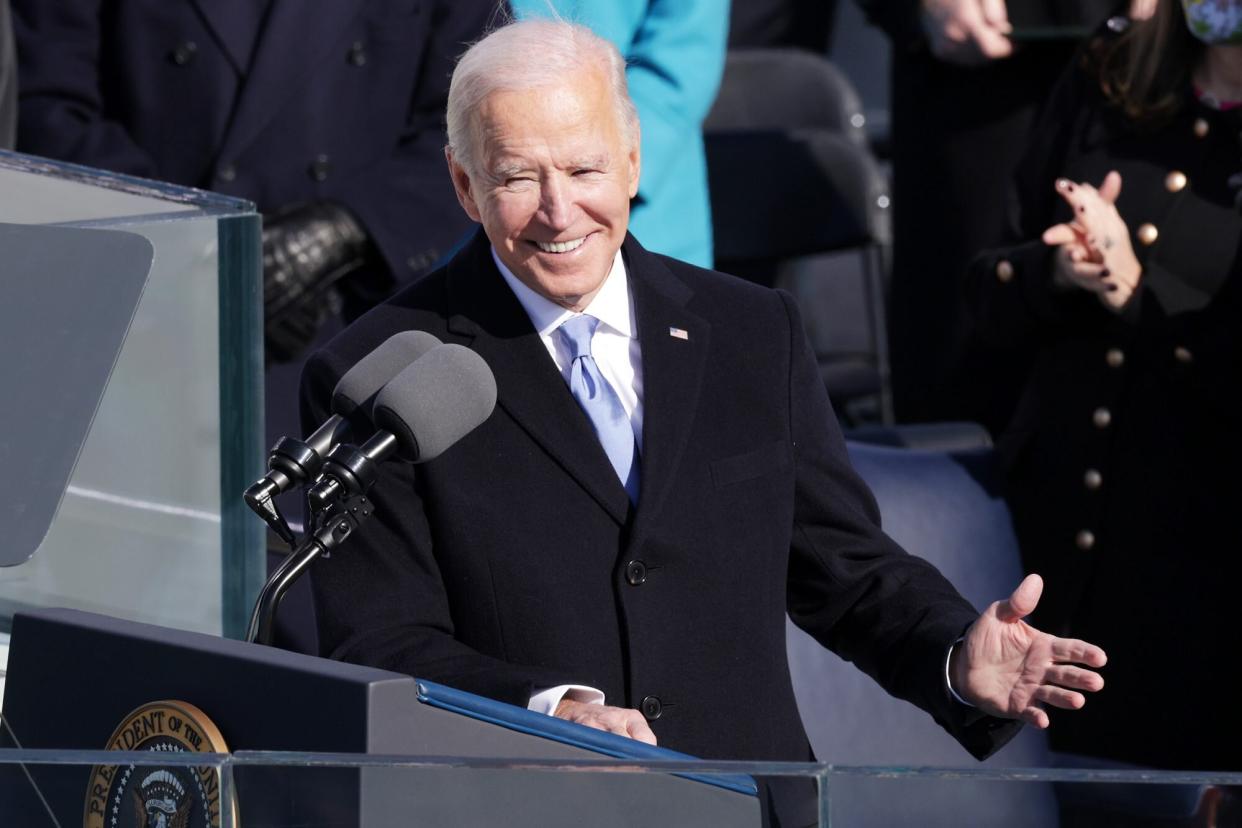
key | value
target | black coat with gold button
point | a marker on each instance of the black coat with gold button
(1122, 458)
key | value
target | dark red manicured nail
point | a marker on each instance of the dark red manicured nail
(1104, 273)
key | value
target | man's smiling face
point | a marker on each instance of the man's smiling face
(554, 185)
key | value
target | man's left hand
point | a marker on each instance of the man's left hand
(1007, 668)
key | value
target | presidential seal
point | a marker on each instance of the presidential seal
(150, 796)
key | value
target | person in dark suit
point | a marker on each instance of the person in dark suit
(327, 114)
(619, 542)
(1122, 271)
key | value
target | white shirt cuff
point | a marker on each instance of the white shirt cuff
(947, 683)
(545, 701)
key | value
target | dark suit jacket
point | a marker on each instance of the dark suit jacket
(338, 100)
(515, 561)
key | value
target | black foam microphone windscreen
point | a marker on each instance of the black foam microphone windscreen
(437, 400)
(358, 387)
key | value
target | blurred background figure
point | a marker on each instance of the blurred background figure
(8, 80)
(674, 51)
(1122, 276)
(328, 114)
(803, 24)
(968, 77)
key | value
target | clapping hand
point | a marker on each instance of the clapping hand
(1093, 251)
(1007, 668)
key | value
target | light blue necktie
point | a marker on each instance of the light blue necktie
(600, 402)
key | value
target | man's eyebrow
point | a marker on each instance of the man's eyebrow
(592, 162)
(506, 170)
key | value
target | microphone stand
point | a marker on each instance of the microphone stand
(338, 505)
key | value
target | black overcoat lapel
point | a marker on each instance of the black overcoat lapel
(674, 345)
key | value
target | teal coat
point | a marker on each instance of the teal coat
(675, 50)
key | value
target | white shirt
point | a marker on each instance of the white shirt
(614, 346)
(616, 350)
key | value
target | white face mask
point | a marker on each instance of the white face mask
(1214, 21)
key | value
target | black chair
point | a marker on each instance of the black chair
(786, 89)
(799, 203)
(807, 211)
(945, 436)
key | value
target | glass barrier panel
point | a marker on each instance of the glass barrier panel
(1032, 797)
(116, 789)
(307, 790)
(150, 524)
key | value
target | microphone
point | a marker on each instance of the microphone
(426, 408)
(293, 462)
(435, 402)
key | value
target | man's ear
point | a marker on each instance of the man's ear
(462, 186)
(636, 168)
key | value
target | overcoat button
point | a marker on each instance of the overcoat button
(1085, 539)
(1115, 357)
(1147, 233)
(184, 53)
(1175, 181)
(1183, 355)
(652, 708)
(635, 572)
(226, 172)
(1201, 128)
(319, 168)
(1092, 479)
(1004, 270)
(1102, 417)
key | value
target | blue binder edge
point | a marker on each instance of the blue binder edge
(537, 724)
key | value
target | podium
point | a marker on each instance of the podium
(75, 676)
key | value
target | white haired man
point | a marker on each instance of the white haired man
(640, 589)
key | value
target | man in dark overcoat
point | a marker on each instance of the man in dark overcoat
(640, 588)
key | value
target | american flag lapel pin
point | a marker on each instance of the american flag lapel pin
(679, 333)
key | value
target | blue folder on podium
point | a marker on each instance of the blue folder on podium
(75, 676)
